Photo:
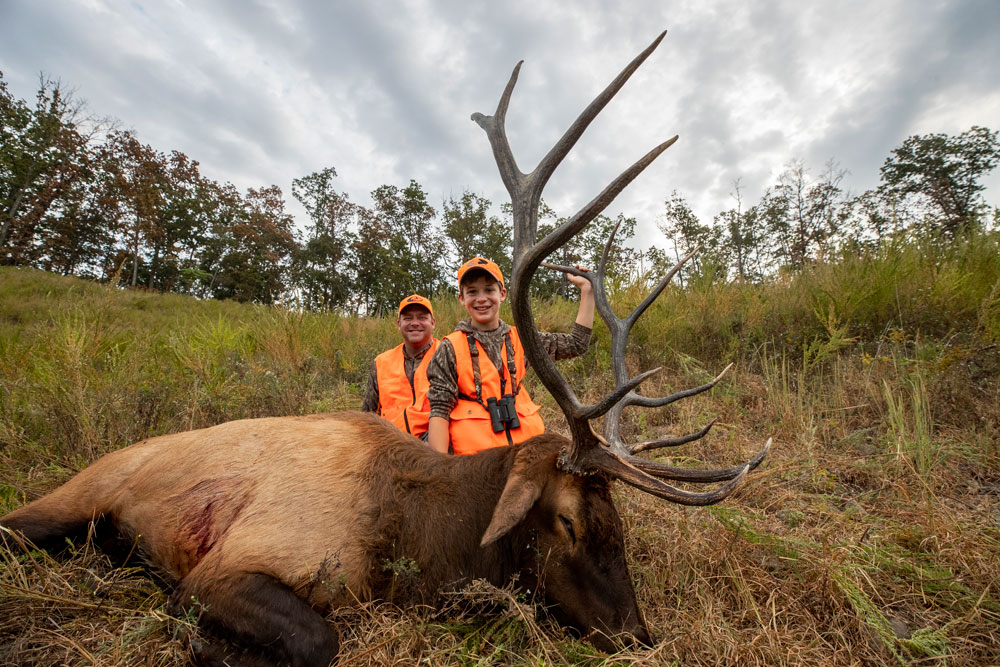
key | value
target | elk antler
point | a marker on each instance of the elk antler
(589, 452)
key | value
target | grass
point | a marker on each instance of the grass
(868, 537)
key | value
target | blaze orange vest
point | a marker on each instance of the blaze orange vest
(470, 429)
(403, 404)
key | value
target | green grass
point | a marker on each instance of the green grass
(868, 537)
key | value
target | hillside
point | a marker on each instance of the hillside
(869, 536)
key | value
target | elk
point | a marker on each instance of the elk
(265, 523)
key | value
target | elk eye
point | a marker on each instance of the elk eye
(568, 525)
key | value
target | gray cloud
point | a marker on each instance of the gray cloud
(268, 91)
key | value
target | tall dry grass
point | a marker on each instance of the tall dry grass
(870, 536)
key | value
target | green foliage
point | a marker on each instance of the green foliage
(944, 171)
(473, 232)
(86, 369)
(322, 265)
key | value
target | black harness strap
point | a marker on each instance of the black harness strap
(476, 375)
(478, 379)
(511, 367)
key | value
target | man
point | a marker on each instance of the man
(397, 382)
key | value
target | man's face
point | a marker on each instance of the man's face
(416, 326)
(481, 298)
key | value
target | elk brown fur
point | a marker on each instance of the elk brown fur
(264, 523)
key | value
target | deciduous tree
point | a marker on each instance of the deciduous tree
(945, 172)
(321, 268)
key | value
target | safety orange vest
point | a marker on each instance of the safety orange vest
(470, 428)
(403, 404)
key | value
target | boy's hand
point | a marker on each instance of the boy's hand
(582, 283)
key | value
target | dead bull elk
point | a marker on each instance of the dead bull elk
(265, 523)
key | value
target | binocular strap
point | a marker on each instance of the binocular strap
(477, 375)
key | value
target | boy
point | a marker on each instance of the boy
(397, 382)
(476, 398)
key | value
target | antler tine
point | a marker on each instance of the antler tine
(526, 189)
(648, 402)
(664, 471)
(671, 442)
(664, 281)
(602, 267)
(535, 254)
(496, 131)
(625, 470)
(562, 147)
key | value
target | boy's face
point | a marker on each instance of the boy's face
(482, 297)
(416, 326)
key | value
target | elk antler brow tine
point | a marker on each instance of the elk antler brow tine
(671, 442)
(598, 409)
(649, 402)
(665, 471)
(679, 474)
(625, 471)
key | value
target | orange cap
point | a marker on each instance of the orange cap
(415, 300)
(481, 263)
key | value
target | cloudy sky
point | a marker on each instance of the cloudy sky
(261, 92)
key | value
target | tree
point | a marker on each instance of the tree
(472, 232)
(137, 188)
(945, 172)
(223, 208)
(74, 233)
(805, 213)
(259, 245)
(681, 225)
(321, 266)
(370, 253)
(744, 235)
(42, 154)
(179, 222)
(414, 261)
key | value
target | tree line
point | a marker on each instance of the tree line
(79, 196)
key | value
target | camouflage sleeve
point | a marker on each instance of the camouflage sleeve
(442, 374)
(566, 346)
(370, 403)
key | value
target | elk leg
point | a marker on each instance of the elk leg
(260, 614)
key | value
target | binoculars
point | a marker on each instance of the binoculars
(502, 413)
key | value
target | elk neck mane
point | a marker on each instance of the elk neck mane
(435, 510)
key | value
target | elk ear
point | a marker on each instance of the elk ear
(518, 497)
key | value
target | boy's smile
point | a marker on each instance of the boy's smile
(482, 298)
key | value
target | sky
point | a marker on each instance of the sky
(262, 92)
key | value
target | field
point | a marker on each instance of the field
(870, 536)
